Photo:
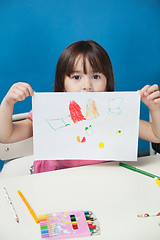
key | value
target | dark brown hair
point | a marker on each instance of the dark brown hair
(96, 55)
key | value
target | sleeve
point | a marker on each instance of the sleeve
(156, 147)
(29, 115)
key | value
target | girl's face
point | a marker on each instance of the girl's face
(78, 81)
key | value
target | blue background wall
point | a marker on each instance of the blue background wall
(33, 33)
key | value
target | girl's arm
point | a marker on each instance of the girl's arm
(14, 131)
(150, 95)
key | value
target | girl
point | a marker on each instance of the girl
(84, 66)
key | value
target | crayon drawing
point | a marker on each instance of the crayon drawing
(115, 106)
(75, 112)
(91, 110)
(96, 126)
(89, 130)
(56, 124)
(81, 141)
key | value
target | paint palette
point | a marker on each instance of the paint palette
(70, 224)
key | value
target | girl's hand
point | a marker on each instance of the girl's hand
(18, 92)
(150, 95)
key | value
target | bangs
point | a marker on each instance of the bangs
(90, 52)
(92, 58)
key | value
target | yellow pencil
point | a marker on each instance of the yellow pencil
(157, 181)
(29, 207)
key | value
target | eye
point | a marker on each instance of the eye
(96, 76)
(77, 77)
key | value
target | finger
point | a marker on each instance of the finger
(152, 88)
(24, 90)
(31, 91)
(20, 95)
(143, 90)
(15, 97)
(23, 86)
(153, 95)
(157, 100)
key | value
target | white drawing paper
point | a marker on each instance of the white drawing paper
(88, 126)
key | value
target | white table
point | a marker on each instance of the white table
(115, 194)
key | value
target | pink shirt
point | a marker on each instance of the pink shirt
(51, 165)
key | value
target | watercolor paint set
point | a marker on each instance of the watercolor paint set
(70, 224)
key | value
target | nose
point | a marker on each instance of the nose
(86, 85)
